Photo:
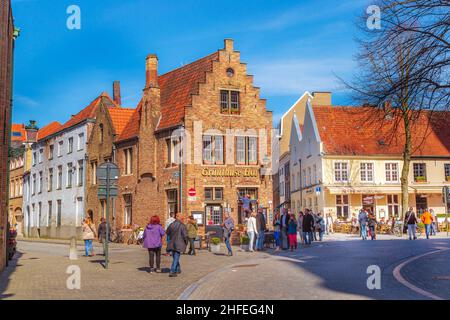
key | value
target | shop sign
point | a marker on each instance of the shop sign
(192, 199)
(238, 173)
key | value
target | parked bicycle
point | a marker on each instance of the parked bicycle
(136, 236)
(117, 236)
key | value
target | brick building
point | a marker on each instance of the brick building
(226, 138)
(6, 63)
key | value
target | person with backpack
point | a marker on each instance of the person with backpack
(411, 222)
(228, 227)
(88, 229)
(177, 233)
(152, 237)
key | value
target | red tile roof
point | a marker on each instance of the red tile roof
(176, 87)
(48, 130)
(18, 132)
(120, 118)
(347, 131)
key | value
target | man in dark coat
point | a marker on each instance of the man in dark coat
(308, 225)
(284, 221)
(101, 233)
(261, 227)
(178, 235)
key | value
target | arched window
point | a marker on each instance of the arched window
(101, 132)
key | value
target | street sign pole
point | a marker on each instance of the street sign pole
(107, 218)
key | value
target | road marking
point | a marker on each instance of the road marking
(398, 276)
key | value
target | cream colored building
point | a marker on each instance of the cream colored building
(345, 166)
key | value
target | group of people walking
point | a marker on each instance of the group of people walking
(367, 224)
(429, 220)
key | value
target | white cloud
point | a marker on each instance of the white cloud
(25, 101)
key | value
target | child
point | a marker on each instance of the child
(292, 233)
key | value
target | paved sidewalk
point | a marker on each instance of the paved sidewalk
(39, 272)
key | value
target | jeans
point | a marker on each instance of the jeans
(372, 232)
(88, 247)
(302, 236)
(363, 229)
(227, 243)
(167, 242)
(251, 236)
(175, 268)
(412, 231)
(433, 228)
(191, 246)
(276, 235)
(152, 252)
(427, 230)
(308, 237)
(260, 240)
(321, 235)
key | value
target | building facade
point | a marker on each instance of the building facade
(6, 69)
(348, 164)
(54, 188)
(199, 139)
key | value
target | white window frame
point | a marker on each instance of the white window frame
(390, 171)
(366, 171)
(341, 170)
(80, 141)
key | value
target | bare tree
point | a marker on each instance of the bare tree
(403, 73)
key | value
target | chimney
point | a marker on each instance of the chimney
(116, 93)
(32, 131)
(321, 98)
(151, 69)
(229, 45)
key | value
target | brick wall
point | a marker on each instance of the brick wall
(6, 50)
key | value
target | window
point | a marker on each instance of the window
(40, 182)
(70, 145)
(128, 154)
(173, 151)
(229, 102)
(315, 174)
(172, 201)
(80, 141)
(58, 213)
(101, 133)
(213, 194)
(41, 155)
(34, 159)
(94, 173)
(21, 187)
(33, 185)
(309, 176)
(420, 173)
(247, 150)
(59, 180)
(69, 175)
(103, 207)
(252, 192)
(51, 151)
(392, 201)
(213, 150)
(341, 171)
(304, 177)
(391, 172)
(80, 173)
(49, 215)
(60, 147)
(39, 214)
(342, 207)
(366, 170)
(127, 215)
(447, 171)
(50, 179)
(213, 214)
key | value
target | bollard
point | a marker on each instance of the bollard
(73, 249)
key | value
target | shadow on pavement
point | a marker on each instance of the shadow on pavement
(5, 276)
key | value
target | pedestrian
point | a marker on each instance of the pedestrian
(411, 222)
(300, 226)
(433, 223)
(88, 229)
(292, 233)
(330, 227)
(252, 231)
(101, 234)
(355, 224)
(153, 235)
(372, 223)
(192, 229)
(283, 227)
(166, 226)
(246, 204)
(261, 227)
(314, 226)
(362, 219)
(308, 222)
(427, 219)
(277, 230)
(228, 227)
(320, 226)
(177, 234)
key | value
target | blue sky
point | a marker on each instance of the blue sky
(290, 47)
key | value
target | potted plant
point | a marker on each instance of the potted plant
(245, 241)
(421, 179)
(448, 178)
(215, 245)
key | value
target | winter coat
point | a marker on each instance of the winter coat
(260, 222)
(426, 218)
(362, 218)
(308, 222)
(292, 227)
(177, 233)
(411, 218)
(251, 225)
(102, 231)
(228, 227)
(153, 234)
(88, 231)
(192, 230)
(372, 221)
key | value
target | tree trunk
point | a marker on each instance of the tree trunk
(406, 164)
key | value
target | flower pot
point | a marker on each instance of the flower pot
(215, 248)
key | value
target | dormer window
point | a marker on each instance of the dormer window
(230, 72)
(229, 102)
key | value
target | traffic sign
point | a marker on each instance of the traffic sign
(107, 170)
(192, 192)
